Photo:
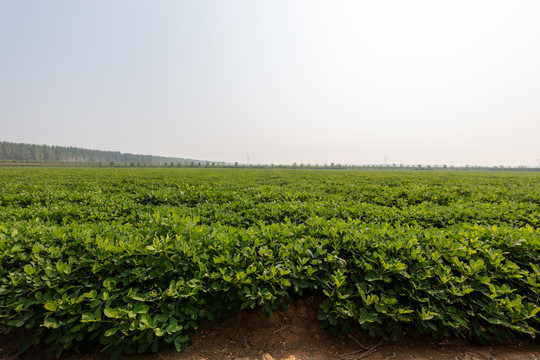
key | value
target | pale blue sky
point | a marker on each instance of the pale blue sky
(418, 82)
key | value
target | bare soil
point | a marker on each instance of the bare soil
(295, 334)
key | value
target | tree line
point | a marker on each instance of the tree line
(31, 153)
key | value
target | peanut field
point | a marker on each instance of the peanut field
(132, 260)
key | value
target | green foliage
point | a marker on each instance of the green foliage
(136, 259)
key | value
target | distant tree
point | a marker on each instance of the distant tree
(55, 154)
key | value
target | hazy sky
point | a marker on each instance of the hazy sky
(418, 82)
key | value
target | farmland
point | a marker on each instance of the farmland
(137, 259)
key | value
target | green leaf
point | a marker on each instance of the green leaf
(50, 306)
(110, 313)
(145, 320)
(86, 317)
(29, 269)
(373, 276)
(51, 323)
(111, 331)
(141, 309)
(179, 342)
(109, 284)
(174, 326)
(332, 319)
(137, 297)
(116, 352)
